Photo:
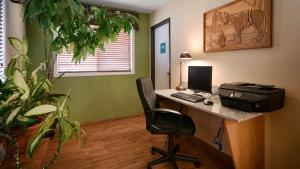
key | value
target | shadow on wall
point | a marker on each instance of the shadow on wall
(285, 135)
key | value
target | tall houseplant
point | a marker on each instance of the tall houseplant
(78, 28)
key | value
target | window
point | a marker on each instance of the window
(2, 38)
(115, 60)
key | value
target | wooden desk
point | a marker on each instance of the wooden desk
(245, 131)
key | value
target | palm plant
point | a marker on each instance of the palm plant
(26, 94)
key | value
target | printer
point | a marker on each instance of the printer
(251, 97)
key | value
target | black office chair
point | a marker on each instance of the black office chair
(164, 121)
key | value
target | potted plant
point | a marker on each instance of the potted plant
(26, 95)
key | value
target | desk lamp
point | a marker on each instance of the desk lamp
(183, 56)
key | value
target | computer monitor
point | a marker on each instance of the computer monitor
(200, 78)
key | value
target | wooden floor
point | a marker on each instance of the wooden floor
(125, 144)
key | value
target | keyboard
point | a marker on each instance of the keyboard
(188, 97)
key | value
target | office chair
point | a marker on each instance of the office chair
(164, 121)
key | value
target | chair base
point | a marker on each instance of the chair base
(171, 156)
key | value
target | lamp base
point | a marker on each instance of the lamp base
(180, 88)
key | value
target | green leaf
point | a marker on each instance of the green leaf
(77, 129)
(16, 56)
(21, 46)
(65, 112)
(33, 144)
(12, 116)
(34, 76)
(10, 69)
(47, 85)
(19, 81)
(66, 130)
(22, 119)
(25, 47)
(36, 89)
(62, 106)
(42, 109)
(12, 97)
(16, 44)
(48, 122)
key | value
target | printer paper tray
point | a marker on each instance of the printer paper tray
(237, 105)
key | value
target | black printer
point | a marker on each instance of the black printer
(251, 97)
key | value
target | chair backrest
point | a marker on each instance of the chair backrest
(146, 93)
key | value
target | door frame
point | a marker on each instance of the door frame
(166, 21)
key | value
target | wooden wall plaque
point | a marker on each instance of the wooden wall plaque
(241, 24)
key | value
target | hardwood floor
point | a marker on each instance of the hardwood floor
(125, 144)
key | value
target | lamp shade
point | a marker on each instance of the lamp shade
(185, 55)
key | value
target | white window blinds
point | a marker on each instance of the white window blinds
(2, 37)
(117, 57)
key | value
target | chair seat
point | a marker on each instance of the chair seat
(168, 122)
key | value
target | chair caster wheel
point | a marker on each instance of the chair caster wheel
(148, 167)
(152, 151)
(197, 164)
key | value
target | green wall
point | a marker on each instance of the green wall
(97, 98)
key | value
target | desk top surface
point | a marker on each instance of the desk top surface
(215, 109)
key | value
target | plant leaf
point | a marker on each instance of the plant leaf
(22, 119)
(32, 145)
(37, 88)
(12, 115)
(42, 109)
(47, 85)
(16, 43)
(19, 81)
(77, 129)
(48, 122)
(34, 76)
(65, 111)
(67, 130)
(25, 47)
(64, 102)
(10, 68)
(12, 97)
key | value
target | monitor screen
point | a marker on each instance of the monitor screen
(200, 78)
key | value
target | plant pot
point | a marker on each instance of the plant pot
(32, 130)
(22, 142)
(23, 138)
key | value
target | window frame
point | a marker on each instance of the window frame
(85, 74)
(5, 40)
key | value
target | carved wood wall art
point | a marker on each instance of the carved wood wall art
(242, 24)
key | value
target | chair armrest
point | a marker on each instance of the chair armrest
(168, 111)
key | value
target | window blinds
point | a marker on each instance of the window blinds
(117, 57)
(2, 37)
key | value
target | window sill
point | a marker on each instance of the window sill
(94, 74)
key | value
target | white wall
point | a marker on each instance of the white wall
(16, 26)
(279, 65)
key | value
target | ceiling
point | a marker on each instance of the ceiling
(144, 6)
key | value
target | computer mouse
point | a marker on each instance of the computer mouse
(196, 91)
(208, 102)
